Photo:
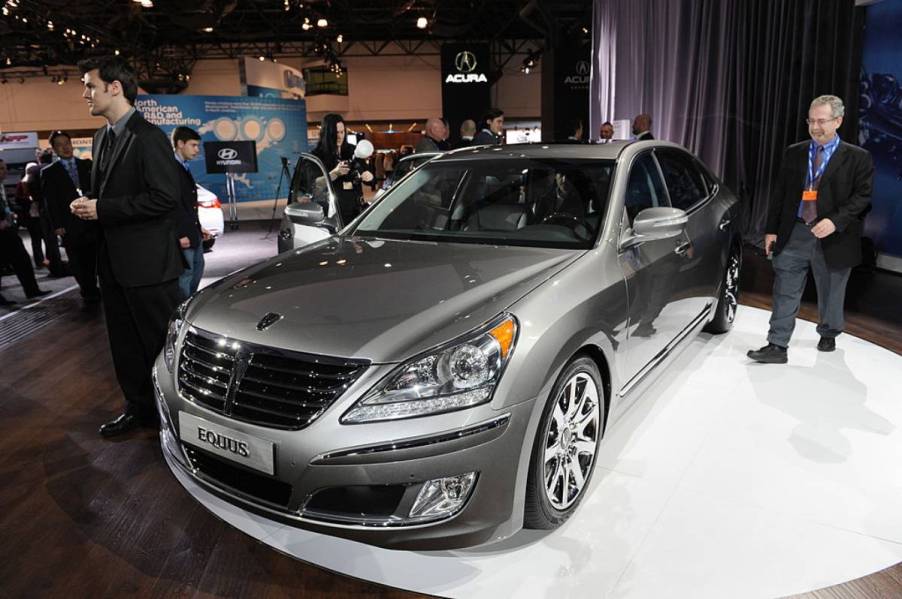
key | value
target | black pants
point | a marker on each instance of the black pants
(83, 266)
(12, 252)
(35, 231)
(52, 245)
(136, 321)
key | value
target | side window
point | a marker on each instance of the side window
(644, 189)
(309, 183)
(685, 182)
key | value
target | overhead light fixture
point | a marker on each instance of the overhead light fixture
(5, 12)
(340, 38)
(261, 58)
(306, 26)
(147, 3)
(422, 23)
(322, 22)
(9, 61)
(116, 52)
(208, 30)
(49, 25)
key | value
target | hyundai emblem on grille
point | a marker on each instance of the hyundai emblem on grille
(267, 321)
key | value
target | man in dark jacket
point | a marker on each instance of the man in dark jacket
(61, 182)
(492, 129)
(186, 143)
(815, 219)
(135, 199)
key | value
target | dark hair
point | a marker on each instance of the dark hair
(113, 68)
(46, 157)
(607, 124)
(183, 134)
(491, 115)
(328, 136)
(56, 134)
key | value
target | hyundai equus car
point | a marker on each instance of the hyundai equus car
(441, 372)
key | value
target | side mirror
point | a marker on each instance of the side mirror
(653, 224)
(305, 212)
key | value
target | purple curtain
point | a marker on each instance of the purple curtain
(730, 80)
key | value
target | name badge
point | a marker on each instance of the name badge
(347, 185)
(809, 195)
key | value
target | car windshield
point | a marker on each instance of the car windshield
(536, 202)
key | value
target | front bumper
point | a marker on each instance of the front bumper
(374, 471)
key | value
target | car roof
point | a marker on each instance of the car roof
(608, 151)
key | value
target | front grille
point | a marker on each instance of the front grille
(237, 478)
(259, 384)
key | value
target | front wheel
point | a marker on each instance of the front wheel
(563, 456)
(725, 311)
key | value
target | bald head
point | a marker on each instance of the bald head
(468, 128)
(435, 128)
(641, 124)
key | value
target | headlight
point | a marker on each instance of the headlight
(172, 334)
(459, 375)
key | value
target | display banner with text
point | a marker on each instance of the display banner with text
(572, 68)
(465, 84)
(279, 128)
(880, 128)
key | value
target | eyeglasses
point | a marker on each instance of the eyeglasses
(820, 122)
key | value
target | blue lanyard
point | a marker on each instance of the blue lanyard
(829, 148)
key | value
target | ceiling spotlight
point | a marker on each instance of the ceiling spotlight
(306, 26)
(5, 12)
(322, 22)
(147, 3)
(422, 23)
(208, 30)
(60, 81)
(116, 53)
(340, 38)
(261, 58)
(9, 61)
(49, 25)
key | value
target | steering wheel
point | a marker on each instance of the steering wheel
(574, 223)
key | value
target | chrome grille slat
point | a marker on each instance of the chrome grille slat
(261, 385)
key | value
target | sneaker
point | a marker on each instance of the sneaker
(769, 354)
(826, 344)
(38, 293)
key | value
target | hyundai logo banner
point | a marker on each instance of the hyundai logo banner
(465, 83)
(271, 128)
(230, 156)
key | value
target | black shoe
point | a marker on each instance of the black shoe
(769, 354)
(826, 344)
(38, 293)
(122, 424)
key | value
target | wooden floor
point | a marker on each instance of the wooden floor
(85, 517)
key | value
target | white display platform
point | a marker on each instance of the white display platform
(727, 479)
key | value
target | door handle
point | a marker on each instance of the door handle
(724, 224)
(682, 249)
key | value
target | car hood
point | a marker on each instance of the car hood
(381, 300)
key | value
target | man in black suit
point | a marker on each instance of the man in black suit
(642, 127)
(186, 143)
(492, 129)
(135, 200)
(12, 251)
(61, 182)
(815, 219)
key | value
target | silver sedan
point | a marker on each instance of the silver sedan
(441, 371)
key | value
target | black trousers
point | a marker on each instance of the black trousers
(136, 319)
(36, 232)
(52, 245)
(12, 252)
(83, 266)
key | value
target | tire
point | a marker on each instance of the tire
(553, 489)
(728, 301)
(208, 244)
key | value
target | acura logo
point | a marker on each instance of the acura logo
(582, 67)
(267, 321)
(465, 61)
(227, 153)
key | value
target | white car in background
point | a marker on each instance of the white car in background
(209, 213)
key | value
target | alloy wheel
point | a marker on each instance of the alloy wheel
(571, 441)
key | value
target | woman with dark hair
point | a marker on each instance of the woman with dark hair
(337, 155)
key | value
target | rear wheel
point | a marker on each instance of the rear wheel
(725, 311)
(563, 456)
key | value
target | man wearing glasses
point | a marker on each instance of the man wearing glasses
(815, 219)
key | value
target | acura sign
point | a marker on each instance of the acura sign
(465, 83)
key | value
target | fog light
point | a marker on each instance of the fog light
(443, 497)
